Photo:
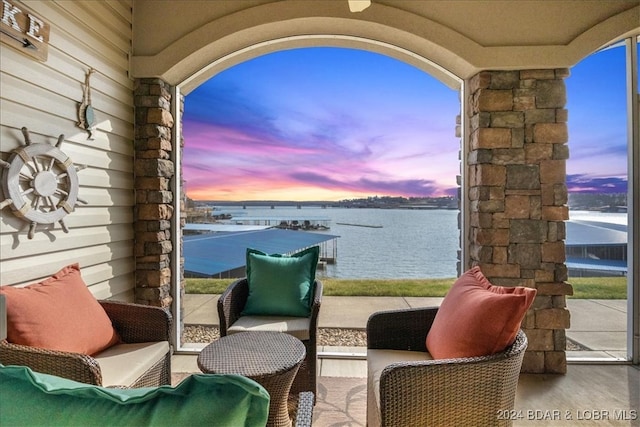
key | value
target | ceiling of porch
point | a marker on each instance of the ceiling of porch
(189, 41)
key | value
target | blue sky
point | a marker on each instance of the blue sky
(596, 100)
(334, 124)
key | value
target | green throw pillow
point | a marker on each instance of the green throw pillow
(29, 398)
(280, 285)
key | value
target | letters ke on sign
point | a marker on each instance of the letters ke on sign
(24, 31)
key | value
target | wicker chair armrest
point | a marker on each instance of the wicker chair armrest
(137, 322)
(74, 366)
(231, 303)
(438, 391)
(315, 308)
(404, 329)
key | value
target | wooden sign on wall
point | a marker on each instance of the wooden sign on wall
(23, 30)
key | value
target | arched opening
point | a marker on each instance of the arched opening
(448, 123)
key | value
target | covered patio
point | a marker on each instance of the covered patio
(133, 61)
(508, 63)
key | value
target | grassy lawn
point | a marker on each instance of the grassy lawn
(599, 287)
(583, 287)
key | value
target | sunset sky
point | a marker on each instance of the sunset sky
(334, 124)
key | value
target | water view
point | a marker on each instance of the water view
(389, 243)
(381, 243)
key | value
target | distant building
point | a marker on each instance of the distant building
(596, 248)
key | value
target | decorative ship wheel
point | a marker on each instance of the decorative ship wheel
(40, 183)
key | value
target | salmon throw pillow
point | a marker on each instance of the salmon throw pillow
(59, 313)
(477, 318)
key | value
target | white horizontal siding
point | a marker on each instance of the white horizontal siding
(81, 153)
(83, 216)
(53, 240)
(93, 177)
(119, 288)
(80, 40)
(85, 257)
(107, 24)
(44, 97)
(38, 90)
(121, 8)
(90, 216)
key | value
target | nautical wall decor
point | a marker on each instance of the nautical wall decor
(86, 117)
(40, 183)
(24, 31)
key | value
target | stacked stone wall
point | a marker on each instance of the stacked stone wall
(518, 198)
(154, 171)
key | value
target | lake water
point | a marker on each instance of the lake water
(409, 243)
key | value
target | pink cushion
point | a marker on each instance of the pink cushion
(477, 318)
(59, 313)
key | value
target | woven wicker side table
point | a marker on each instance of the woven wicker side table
(271, 359)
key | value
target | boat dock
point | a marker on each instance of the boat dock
(301, 222)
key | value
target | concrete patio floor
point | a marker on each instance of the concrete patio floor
(598, 325)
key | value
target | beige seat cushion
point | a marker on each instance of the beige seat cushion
(377, 360)
(296, 326)
(122, 364)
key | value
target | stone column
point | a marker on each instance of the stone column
(153, 210)
(518, 198)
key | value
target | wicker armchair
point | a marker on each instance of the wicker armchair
(230, 306)
(421, 392)
(134, 323)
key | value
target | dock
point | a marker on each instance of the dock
(359, 225)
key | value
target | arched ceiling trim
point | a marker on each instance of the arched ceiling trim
(250, 33)
(438, 49)
(294, 42)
